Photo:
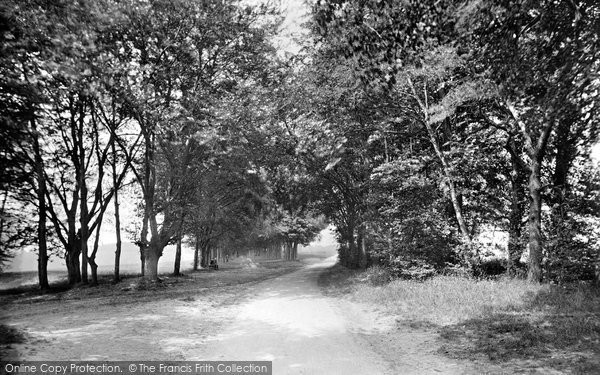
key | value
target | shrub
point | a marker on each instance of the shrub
(376, 275)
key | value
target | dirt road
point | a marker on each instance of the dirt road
(291, 323)
(285, 319)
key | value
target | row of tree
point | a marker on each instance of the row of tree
(448, 118)
(415, 127)
(165, 96)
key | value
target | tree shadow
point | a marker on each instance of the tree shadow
(556, 328)
(8, 337)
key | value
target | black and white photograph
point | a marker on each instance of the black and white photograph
(317, 187)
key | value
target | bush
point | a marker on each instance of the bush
(490, 267)
(415, 269)
(377, 275)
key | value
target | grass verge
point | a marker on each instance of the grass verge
(134, 286)
(506, 321)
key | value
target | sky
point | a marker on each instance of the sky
(295, 13)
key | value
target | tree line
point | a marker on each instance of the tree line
(455, 117)
(416, 128)
(167, 98)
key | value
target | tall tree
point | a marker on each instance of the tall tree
(184, 57)
(528, 56)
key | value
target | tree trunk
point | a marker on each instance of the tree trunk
(196, 254)
(151, 258)
(362, 260)
(536, 154)
(559, 231)
(517, 180)
(565, 153)
(83, 204)
(84, 232)
(41, 197)
(143, 242)
(72, 260)
(117, 273)
(354, 255)
(295, 251)
(92, 257)
(205, 250)
(462, 225)
(142, 262)
(177, 266)
(535, 223)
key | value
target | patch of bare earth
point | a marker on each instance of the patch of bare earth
(129, 320)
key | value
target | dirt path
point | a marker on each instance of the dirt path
(285, 319)
(291, 323)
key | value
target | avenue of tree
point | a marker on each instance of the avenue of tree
(415, 128)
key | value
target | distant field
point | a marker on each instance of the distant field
(22, 271)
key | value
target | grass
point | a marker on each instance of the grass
(505, 321)
(133, 286)
(446, 300)
(209, 288)
(9, 335)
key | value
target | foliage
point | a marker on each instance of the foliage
(483, 79)
(412, 227)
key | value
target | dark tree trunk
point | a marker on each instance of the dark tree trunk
(536, 151)
(354, 256)
(84, 234)
(143, 244)
(117, 272)
(196, 254)
(92, 257)
(41, 197)
(142, 261)
(565, 152)
(362, 260)
(535, 223)
(72, 260)
(177, 266)
(83, 213)
(205, 250)
(151, 257)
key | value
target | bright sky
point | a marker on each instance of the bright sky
(295, 13)
(596, 153)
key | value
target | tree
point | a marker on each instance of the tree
(182, 58)
(402, 47)
(541, 53)
(525, 58)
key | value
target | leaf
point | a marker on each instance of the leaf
(332, 163)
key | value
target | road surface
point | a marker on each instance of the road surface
(290, 322)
